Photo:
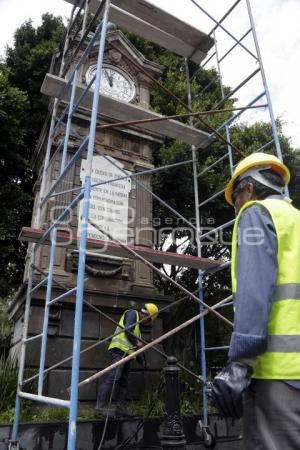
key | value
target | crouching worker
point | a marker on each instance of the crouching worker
(121, 345)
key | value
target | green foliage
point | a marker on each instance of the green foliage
(5, 326)
(191, 394)
(7, 415)
(22, 112)
(49, 414)
(8, 383)
(15, 178)
(141, 407)
(28, 62)
(32, 413)
(152, 402)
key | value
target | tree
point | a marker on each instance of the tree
(176, 188)
(15, 176)
(28, 62)
(22, 113)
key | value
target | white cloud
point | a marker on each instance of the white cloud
(280, 43)
(277, 23)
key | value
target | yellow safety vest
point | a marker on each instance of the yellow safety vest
(281, 361)
(120, 341)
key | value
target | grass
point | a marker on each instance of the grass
(40, 414)
(8, 383)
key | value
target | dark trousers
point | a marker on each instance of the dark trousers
(271, 416)
(119, 376)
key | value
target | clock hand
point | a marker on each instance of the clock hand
(110, 79)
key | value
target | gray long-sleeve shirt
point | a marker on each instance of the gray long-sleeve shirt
(257, 269)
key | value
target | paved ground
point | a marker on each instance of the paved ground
(53, 436)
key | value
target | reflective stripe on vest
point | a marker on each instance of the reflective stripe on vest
(120, 341)
(281, 361)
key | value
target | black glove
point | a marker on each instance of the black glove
(228, 387)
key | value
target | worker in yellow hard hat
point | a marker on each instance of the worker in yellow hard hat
(260, 164)
(261, 381)
(122, 344)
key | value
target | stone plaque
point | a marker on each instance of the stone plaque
(109, 201)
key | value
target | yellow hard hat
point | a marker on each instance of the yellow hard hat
(256, 160)
(152, 309)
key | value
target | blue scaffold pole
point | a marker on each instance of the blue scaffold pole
(266, 87)
(83, 240)
(46, 313)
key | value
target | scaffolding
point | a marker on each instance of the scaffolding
(199, 48)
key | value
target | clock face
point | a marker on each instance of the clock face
(115, 82)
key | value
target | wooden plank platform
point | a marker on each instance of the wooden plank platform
(157, 25)
(121, 111)
(111, 248)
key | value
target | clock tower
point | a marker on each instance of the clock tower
(122, 78)
(114, 281)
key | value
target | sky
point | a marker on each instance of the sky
(277, 26)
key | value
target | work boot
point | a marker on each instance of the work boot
(121, 409)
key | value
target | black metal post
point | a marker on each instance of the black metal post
(173, 436)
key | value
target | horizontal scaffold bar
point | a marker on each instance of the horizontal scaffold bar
(108, 247)
(178, 116)
(44, 399)
(223, 347)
